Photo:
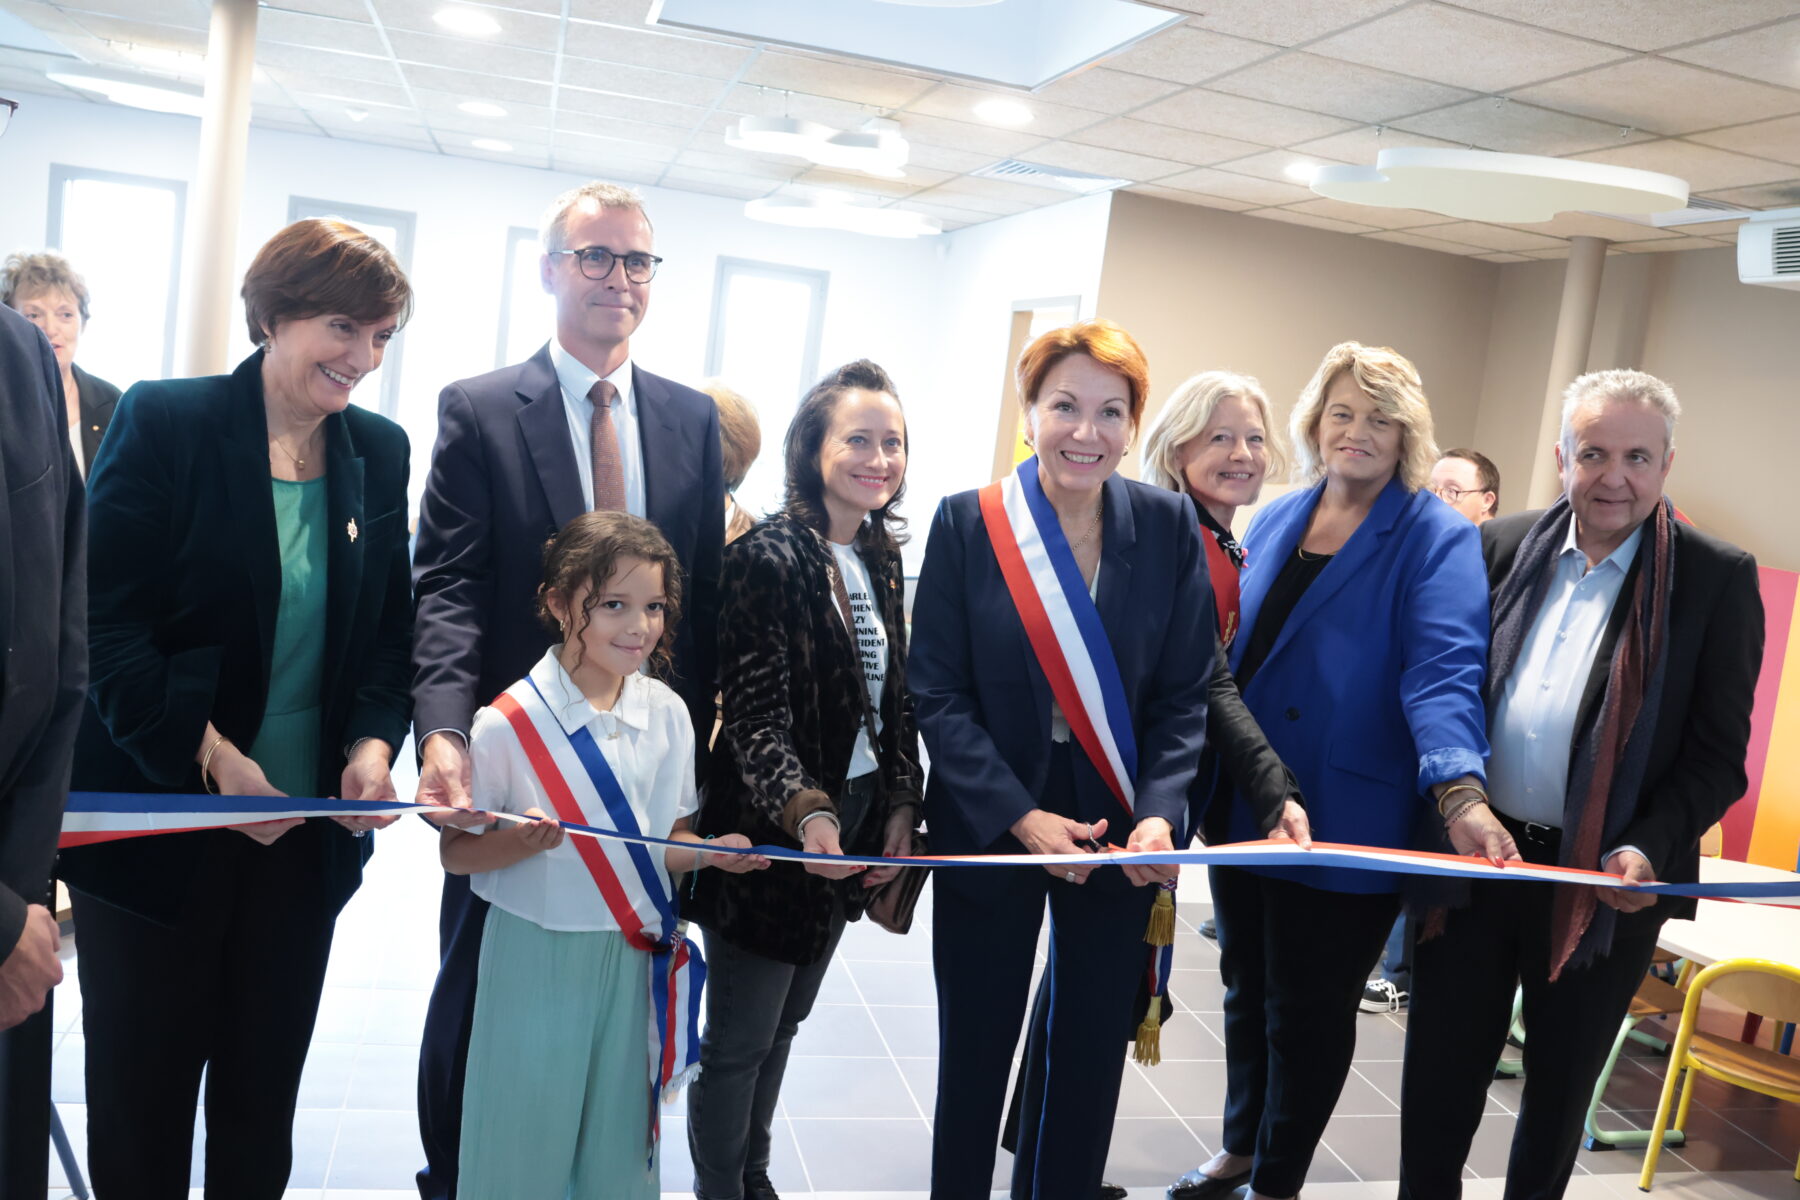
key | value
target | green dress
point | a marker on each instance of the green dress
(287, 745)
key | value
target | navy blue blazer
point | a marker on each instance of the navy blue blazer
(43, 616)
(983, 703)
(503, 480)
(1372, 691)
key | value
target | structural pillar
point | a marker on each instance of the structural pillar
(209, 258)
(1568, 358)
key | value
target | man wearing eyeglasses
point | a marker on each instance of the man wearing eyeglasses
(522, 451)
(1469, 482)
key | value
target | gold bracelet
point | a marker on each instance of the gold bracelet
(206, 778)
(1451, 791)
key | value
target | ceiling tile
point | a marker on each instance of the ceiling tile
(1283, 22)
(1185, 54)
(1238, 117)
(942, 158)
(948, 214)
(1291, 217)
(1199, 199)
(870, 185)
(435, 103)
(143, 33)
(529, 31)
(1463, 49)
(522, 120)
(1363, 145)
(472, 54)
(713, 183)
(385, 139)
(1666, 97)
(957, 102)
(1116, 164)
(1548, 253)
(629, 108)
(1496, 123)
(1163, 141)
(770, 102)
(1489, 237)
(1778, 139)
(704, 156)
(643, 48)
(970, 194)
(588, 138)
(1343, 89)
(611, 172)
(466, 85)
(1580, 224)
(1367, 214)
(277, 59)
(1770, 195)
(349, 10)
(1680, 243)
(518, 156)
(1237, 187)
(1502, 258)
(960, 135)
(1727, 230)
(620, 12)
(1101, 90)
(1271, 164)
(320, 93)
(325, 33)
(1427, 243)
(1771, 54)
(840, 80)
(670, 137)
(603, 159)
(1639, 24)
(193, 13)
(1705, 168)
(666, 86)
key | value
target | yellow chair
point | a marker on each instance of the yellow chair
(1755, 985)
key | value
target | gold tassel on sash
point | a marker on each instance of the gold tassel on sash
(1147, 1047)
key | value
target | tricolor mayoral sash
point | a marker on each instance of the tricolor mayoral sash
(1071, 647)
(632, 879)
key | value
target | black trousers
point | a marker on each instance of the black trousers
(234, 991)
(444, 1045)
(1294, 960)
(1463, 986)
(25, 1103)
(984, 939)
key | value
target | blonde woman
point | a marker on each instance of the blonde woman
(1361, 655)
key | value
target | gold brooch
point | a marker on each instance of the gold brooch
(351, 529)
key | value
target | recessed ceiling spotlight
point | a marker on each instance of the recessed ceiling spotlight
(1000, 111)
(467, 22)
(1301, 172)
(481, 108)
(495, 145)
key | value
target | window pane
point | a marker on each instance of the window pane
(765, 323)
(530, 313)
(121, 239)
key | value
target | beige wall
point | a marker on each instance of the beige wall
(1202, 289)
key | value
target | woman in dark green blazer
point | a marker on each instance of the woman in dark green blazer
(250, 617)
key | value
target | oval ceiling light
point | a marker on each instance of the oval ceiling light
(133, 95)
(492, 145)
(877, 148)
(481, 108)
(467, 22)
(1483, 185)
(1000, 111)
(840, 213)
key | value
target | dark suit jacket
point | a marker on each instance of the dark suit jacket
(983, 703)
(503, 481)
(43, 617)
(794, 696)
(1702, 736)
(97, 398)
(185, 582)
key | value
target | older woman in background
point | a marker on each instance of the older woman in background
(740, 440)
(1025, 762)
(45, 290)
(249, 625)
(1362, 651)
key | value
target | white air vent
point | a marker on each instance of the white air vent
(1699, 211)
(1769, 249)
(1043, 176)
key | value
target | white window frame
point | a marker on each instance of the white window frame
(514, 235)
(402, 223)
(61, 175)
(817, 281)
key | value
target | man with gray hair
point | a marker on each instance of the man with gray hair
(522, 451)
(1626, 647)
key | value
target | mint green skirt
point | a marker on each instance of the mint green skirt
(556, 1102)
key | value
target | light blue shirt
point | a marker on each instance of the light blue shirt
(576, 381)
(1533, 728)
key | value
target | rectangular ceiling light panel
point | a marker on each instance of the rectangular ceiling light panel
(1021, 43)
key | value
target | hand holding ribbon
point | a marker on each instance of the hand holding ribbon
(1152, 833)
(896, 843)
(366, 778)
(1046, 833)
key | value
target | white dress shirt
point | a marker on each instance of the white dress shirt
(647, 739)
(1533, 730)
(577, 380)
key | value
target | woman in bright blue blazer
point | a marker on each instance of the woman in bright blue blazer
(1002, 780)
(1364, 643)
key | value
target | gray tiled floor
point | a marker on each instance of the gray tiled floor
(856, 1107)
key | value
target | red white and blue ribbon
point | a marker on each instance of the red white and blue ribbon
(1062, 624)
(633, 882)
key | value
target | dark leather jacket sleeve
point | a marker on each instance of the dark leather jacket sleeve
(1248, 764)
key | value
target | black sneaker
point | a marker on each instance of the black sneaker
(1382, 996)
(758, 1187)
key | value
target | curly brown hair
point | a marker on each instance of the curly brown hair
(589, 550)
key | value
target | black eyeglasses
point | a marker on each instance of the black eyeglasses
(7, 109)
(1450, 495)
(596, 262)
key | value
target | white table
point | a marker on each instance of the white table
(1723, 929)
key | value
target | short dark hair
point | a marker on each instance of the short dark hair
(885, 529)
(588, 550)
(321, 265)
(1100, 340)
(1486, 473)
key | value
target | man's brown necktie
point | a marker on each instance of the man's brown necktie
(609, 470)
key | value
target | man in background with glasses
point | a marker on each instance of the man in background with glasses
(43, 621)
(522, 451)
